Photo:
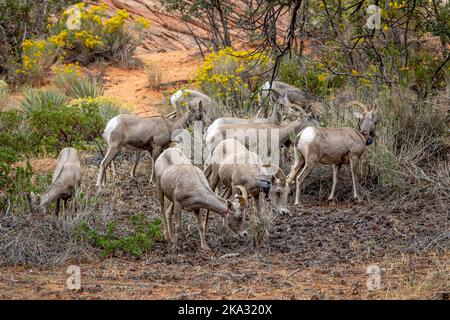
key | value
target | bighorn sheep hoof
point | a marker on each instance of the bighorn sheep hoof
(358, 200)
(332, 201)
(206, 248)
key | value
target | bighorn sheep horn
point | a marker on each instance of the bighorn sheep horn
(243, 196)
(279, 174)
(359, 104)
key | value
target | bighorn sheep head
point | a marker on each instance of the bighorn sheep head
(234, 217)
(278, 189)
(367, 120)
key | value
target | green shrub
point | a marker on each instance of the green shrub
(135, 242)
(68, 125)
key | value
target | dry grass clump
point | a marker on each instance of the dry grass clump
(28, 239)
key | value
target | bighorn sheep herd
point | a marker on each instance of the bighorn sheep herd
(236, 159)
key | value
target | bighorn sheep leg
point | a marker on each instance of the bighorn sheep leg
(74, 201)
(112, 152)
(137, 156)
(298, 164)
(177, 216)
(154, 155)
(309, 165)
(167, 234)
(113, 166)
(336, 168)
(201, 229)
(58, 206)
(354, 167)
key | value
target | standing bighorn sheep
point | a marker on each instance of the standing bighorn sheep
(233, 165)
(186, 187)
(333, 146)
(143, 133)
(65, 183)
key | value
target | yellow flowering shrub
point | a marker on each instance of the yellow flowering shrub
(37, 57)
(84, 33)
(229, 76)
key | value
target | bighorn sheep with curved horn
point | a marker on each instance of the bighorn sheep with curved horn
(236, 167)
(333, 146)
(186, 187)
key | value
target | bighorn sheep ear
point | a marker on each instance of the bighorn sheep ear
(358, 115)
(375, 108)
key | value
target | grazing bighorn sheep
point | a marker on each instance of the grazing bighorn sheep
(186, 187)
(234, 165)
(188, 97)
(143, 133)
(333, 146)
(65, 183)
(254, 131)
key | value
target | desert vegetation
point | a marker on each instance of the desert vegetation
(56, 72)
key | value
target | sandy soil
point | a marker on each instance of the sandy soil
(249, 277)
(132, 85)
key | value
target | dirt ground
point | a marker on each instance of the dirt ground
(321, 251)
(131, 86)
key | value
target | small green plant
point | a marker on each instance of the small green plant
(135, 243)
(154, 74)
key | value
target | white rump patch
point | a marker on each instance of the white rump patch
(307, 135)
(110, 126)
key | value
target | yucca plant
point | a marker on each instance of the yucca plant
(79, 87)
(36, 99)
